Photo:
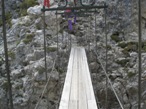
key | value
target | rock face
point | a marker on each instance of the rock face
(27, 62)
(26, 54)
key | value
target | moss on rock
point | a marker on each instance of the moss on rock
(11, 54)
(122, 61)
(131, 74)
(128, 47)
(28, 38)
(5, 85)
(25, 5)
(1, 61)
(125, 52)
(1, 22)
(51, 49)
(109, 47)
(122, 44)
(40, 69)
(132, 46)
(115, 37)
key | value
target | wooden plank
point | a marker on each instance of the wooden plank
(73, 104)
(66, 89)
(74, 84)
(82, 91)
(92, 104)
(88, 78)
(78, 90)
(88, 83)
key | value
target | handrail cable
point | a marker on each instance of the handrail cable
(60, 93)
(43, 92)
(61, 89)
(121, 105)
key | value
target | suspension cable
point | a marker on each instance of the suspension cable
(59, 98)
(6, 55)
(61, 90)
(139, 54)
(43, 92)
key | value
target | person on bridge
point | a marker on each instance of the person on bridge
(71, 17)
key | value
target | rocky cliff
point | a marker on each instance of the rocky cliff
(26, 54)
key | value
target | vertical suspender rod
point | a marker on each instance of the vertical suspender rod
(44, 31)
(106, 98)
(139, 54)
(6, 56)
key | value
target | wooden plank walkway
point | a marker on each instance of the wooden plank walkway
(78, 90)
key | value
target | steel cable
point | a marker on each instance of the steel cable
(43, 92)
(109, 81)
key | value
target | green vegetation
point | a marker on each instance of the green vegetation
(128, 47)
(122, 62)
(115, 37)
(131, 74)
(5, 85)
(51, 49)
(8, 16)
(60, 70)
(11, 54)
(41, 69)
(25, 63)
(109, 47)
(28, 38)
(28, 3)
(18, 42)
(1, 61)
(25, 5)
(38, 27)
(124, 51)
(23, 12)
(122, 44)
(1, 22)
(61, 31)
(144, 46)
(131, 46)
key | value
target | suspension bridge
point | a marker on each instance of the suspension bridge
(78, 90)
